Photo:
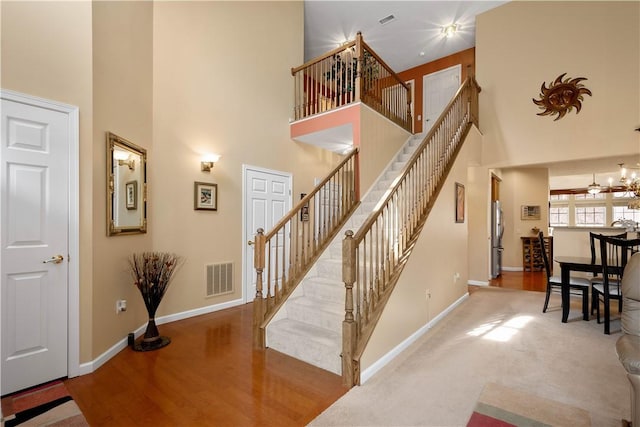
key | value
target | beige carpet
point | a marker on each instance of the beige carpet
(496, 336)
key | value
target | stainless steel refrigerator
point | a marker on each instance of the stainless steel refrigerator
(497, 230)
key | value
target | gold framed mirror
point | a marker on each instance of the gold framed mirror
(126, 187)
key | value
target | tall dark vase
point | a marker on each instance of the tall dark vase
(152, 272)
(152, 340)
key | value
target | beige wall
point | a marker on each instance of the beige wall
(441, 239)
(162, 76)
(522, 44)
(380, 140)
(479, 228)
(222, 84)
(122, 104)
(46, 52)
(525, 186)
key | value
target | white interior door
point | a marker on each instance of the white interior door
(34, 171)
(438, 89)
(267, 198)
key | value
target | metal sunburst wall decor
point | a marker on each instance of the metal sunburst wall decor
(561, 96)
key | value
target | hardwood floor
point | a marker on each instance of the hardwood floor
(527, 281)
(210, 376)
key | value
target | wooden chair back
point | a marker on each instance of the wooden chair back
(614, 255)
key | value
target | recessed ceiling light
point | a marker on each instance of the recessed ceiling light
(387, 19)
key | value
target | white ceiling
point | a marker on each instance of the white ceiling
(415, 37)
(416, 29)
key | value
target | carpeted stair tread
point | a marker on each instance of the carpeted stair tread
(319, 301)
(324, 289)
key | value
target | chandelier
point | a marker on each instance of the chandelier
(632, 182)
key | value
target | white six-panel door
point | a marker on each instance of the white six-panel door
(267, 198)
(34, 208)
(438, 88)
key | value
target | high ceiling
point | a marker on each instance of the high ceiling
(413, 37)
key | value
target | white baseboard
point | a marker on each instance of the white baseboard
(384, 360)
(512, 268)
(477, 283)
(89, 367)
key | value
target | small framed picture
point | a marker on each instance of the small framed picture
(459, 202)
(530, 212)
(131, 195)
(205, 196)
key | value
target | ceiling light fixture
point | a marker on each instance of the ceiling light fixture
(631, 182)
(450, 30)
(594, 188)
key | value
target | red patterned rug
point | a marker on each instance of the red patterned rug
(45, 405)
(500, 406)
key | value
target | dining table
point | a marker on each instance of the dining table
(567, 265)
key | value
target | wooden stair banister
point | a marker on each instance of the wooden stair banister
(285, 253)
(374, 257)
(348, 74)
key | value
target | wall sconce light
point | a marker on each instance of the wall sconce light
(450, 30)
(208, 161)
(124, 159)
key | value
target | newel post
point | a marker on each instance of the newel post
(349, 370)
(259, 303)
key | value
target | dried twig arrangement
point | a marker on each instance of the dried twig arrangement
(152, 273)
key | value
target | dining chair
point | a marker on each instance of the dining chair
(614, 254)
(577, 285)
(597, 277)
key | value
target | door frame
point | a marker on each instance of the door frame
(73, 238)
(245, 238)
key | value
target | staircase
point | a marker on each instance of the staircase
(309, 326)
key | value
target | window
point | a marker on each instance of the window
(590, 216)
(623, 212)
(587, 196)
(559, 216)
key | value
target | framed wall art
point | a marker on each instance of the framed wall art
(530, 212)
(131, 196)
(459, 202)
(205, 196)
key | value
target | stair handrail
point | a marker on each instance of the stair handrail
(285, 253)
(351, 73)
(375, 255)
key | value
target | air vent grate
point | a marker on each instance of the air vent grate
(219, 279)
(387, 19)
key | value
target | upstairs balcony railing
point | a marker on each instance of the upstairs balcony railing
(374, 256)
(285, 254)
(348, 74)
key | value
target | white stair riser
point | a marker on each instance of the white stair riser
(333, 292)
(322, 303)
(322, 315)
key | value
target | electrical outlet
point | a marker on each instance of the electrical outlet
(428, 294)
(456, 277)
(121, 305)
